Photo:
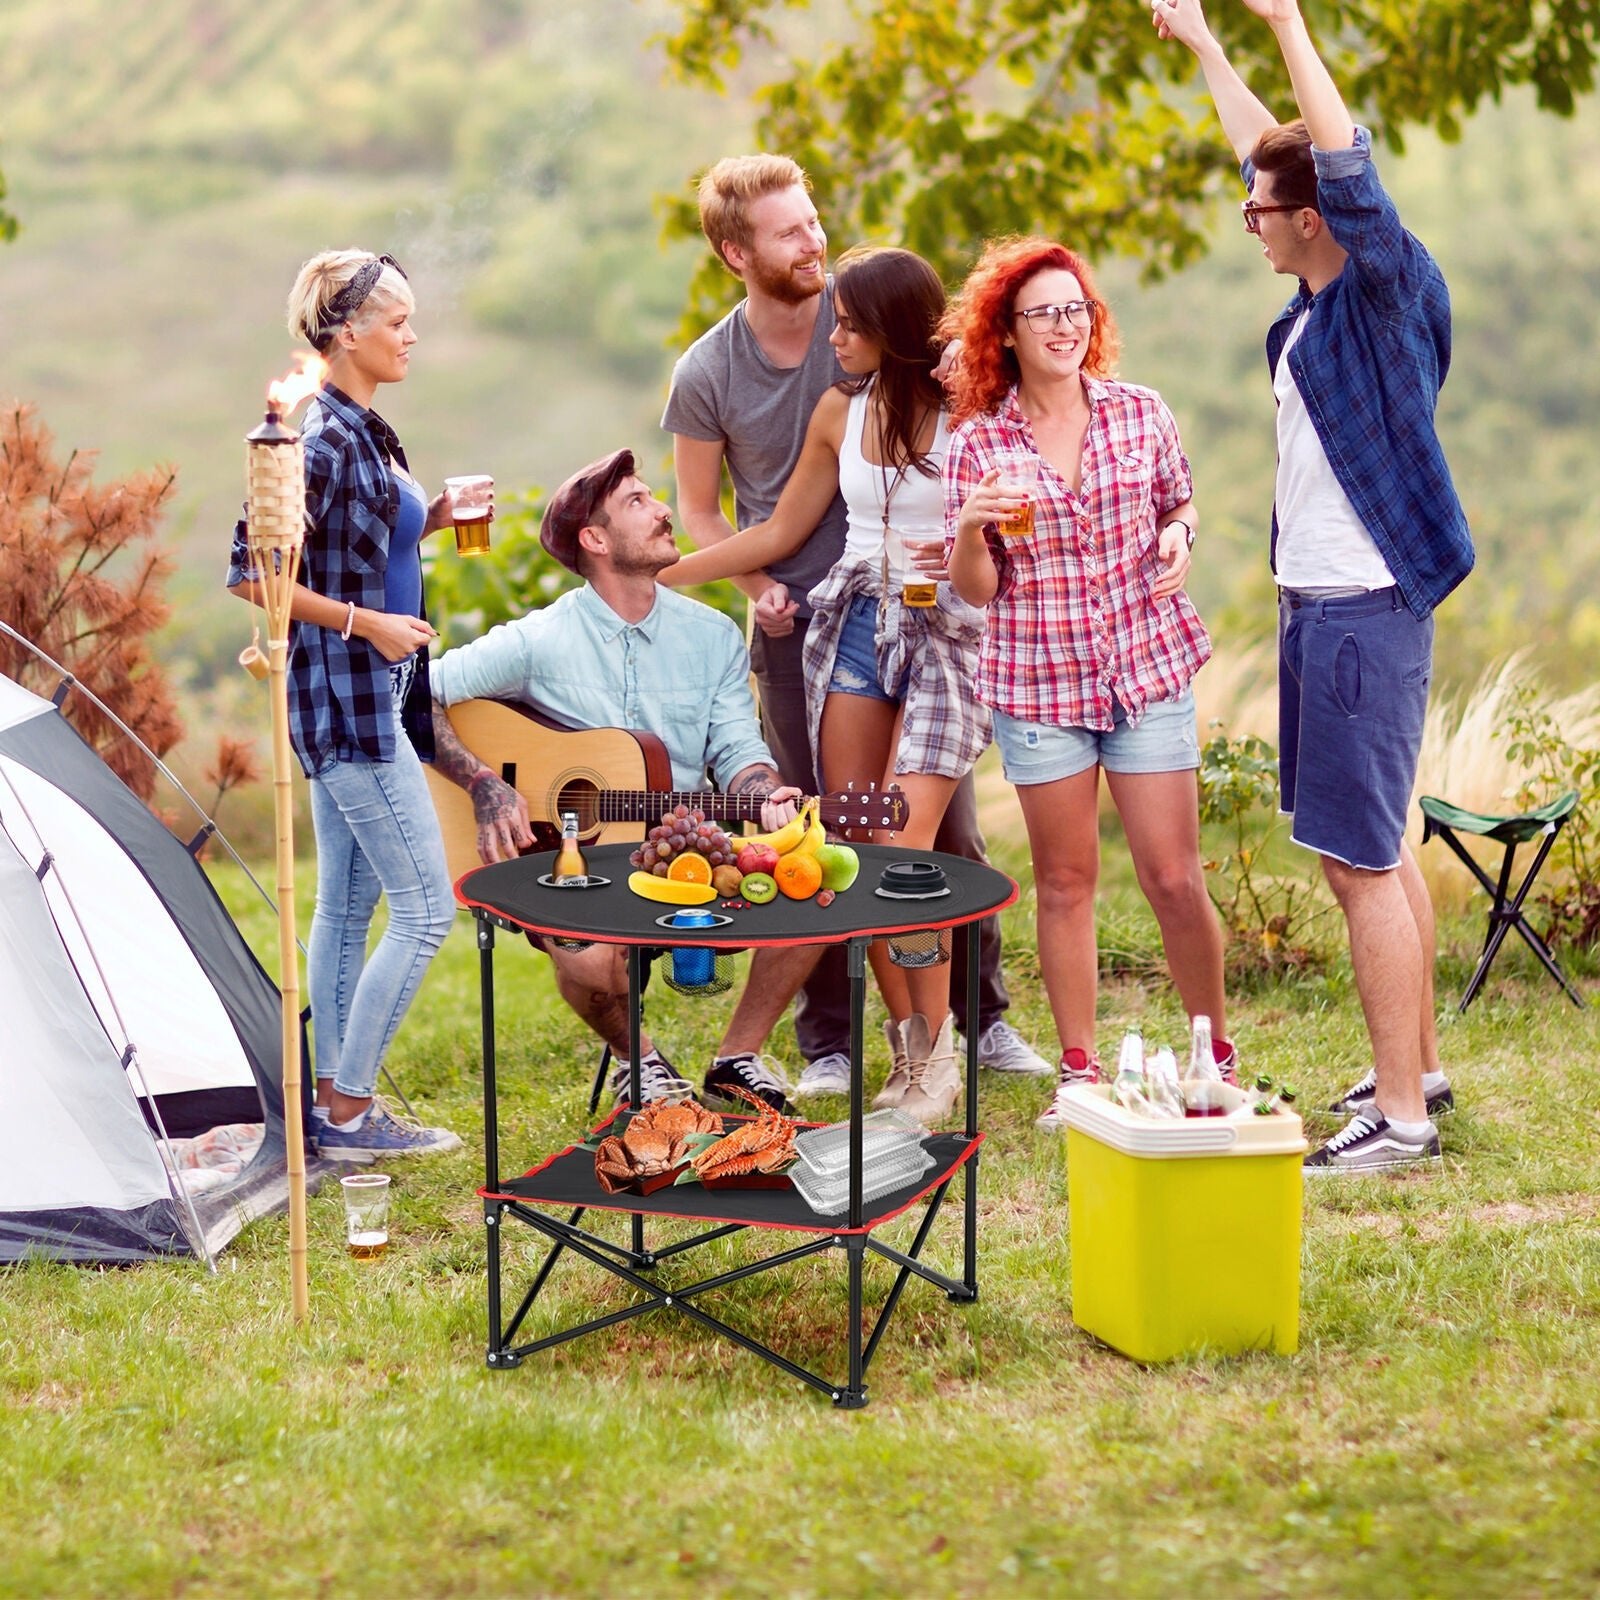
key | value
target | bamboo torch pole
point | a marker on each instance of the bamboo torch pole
(276, 476)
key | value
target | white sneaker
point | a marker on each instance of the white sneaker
(829, 1074)
(1002, 1049)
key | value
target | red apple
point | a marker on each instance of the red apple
(757, 858)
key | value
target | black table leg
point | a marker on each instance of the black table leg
(969, 1179)
(635, 1049)
(493, 1210)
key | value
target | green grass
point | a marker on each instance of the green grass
(164, 1432)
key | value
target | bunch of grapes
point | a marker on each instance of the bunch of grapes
(678, 830)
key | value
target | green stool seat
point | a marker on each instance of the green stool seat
(1441, 818)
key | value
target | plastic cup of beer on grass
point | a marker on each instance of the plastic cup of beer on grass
(471, 510)
(366, 1214)
(1019, 473)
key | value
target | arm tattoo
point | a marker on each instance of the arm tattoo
(759, 780)
(450, 756)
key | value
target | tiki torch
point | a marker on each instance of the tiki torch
(275, 476)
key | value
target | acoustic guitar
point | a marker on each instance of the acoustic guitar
(617, 780)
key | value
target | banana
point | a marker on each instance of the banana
(784, 839)
(649, 887)
(814, 834)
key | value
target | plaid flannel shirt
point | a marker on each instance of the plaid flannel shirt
(340, 702)
(1369, 365)
(1073, 621)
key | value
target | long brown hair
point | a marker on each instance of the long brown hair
(896, 300)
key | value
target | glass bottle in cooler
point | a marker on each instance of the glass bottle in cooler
(1162, 1084)
(1204, 1093)
(570, 867)
(1128, 1088)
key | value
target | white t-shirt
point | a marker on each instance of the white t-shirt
(916, 501)
(1322, 541)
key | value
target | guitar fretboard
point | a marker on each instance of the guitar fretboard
(650, 805)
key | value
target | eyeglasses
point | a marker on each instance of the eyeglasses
(1045, 319)
(1253, 214)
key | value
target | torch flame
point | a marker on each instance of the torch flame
(299, 383)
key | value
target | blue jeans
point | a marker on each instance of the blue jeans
(376, 831)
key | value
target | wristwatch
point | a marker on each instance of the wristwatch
(1188, 532)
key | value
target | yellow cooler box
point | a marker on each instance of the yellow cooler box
(1185, 1235)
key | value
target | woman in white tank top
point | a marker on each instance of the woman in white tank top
(888, 683)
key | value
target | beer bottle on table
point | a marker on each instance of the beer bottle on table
(570, 867)
(1203, 1087)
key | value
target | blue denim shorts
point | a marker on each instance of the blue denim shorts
(1353, 676)
(1166, 740)
(855, 662)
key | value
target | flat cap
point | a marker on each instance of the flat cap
(574, 504)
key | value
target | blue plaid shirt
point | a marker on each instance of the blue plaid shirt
(1369, 365)
(340, 704)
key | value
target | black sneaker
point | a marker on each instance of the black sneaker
(759, 1075)
(1370, 1144)
(658, 1080)
(1361, 1097)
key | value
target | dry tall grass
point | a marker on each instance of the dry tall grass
(1464, 761)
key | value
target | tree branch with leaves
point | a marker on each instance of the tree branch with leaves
(936, 124)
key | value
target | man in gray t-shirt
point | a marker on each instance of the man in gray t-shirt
(728, 393)
(742, 395)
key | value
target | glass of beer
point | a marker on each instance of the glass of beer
(1019, 472)
(917, 588)
(471, 510)
(366, 1214)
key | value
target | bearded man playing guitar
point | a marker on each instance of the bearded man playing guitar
(622, 652)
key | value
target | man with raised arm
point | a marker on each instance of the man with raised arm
(621, 651)
(741, 397)
(1368, 537)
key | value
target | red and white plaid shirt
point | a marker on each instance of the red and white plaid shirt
(1073, 622)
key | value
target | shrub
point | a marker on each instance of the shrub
(1551, 765)
(1270, 918)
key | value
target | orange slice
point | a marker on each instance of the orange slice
(689, 867)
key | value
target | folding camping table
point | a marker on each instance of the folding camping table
(510, 896)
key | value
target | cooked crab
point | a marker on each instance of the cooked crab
(655, 1141)
(765, 1144)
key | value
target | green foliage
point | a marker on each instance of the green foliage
(938, 123)
(468, 595)
(1534, 740)
(1271, 918)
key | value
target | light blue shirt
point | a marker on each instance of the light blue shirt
(682, 674)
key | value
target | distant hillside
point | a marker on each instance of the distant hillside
(173, 162)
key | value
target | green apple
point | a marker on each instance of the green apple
(759, 887)
(839, 864)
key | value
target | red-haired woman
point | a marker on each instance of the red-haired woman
(1091, 642)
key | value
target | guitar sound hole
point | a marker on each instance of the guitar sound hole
(583, 797)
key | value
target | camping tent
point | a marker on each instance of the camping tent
(132, 1014)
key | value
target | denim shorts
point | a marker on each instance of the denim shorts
(1166, 740)
(855, 662)
(1353, 676)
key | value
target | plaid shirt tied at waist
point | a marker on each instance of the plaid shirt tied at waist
(944, 729)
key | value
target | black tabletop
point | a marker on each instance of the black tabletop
(613, 914)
